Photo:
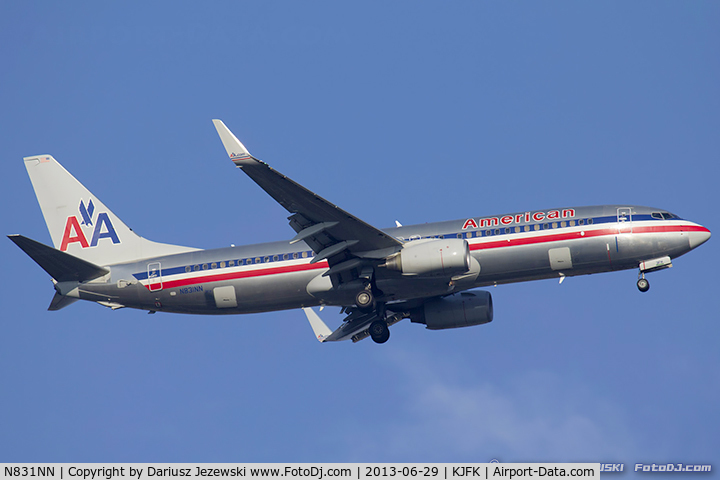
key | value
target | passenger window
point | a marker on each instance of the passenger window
(187, 269)
(304, 254)
(213, 265)
(590, 221)
(497, 231)
(295, 255)
(563, 224)
(546, 226)
(222, 264)
(581, 222)
(275, 258)
(554, 225)
(572, 223)
(258, 260)
(527, 228)
(205, 266)
(536, 227)
(196, 268)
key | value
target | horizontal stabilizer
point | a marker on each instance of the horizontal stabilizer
(60, 301)
(61, 266)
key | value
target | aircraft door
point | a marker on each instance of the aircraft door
(624, 220)
(154, 277)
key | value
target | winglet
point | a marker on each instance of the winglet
(321, 330)
(234, 148)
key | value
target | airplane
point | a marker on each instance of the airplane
(427, 273)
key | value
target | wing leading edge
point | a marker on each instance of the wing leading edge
(346, 242)
(319, 215)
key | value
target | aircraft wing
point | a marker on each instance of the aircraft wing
(354, 327)
(333, 234)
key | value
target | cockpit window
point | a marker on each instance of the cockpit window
(656, 215)
(669, 216)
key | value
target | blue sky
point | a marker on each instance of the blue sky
(409, 111)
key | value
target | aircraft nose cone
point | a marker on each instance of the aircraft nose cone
(698, 237)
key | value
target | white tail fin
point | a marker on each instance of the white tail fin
(80, 224)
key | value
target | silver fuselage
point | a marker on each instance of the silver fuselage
(509, 248)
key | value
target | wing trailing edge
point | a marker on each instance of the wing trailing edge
(332, 233)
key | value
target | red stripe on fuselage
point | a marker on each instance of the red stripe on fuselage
(537, 239)
(672, 228)
(558, 237)
(183, 282)
(555, 237)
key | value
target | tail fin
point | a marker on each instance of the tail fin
(80, 224)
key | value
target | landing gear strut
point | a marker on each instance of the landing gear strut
(642, 283)
(365, 300)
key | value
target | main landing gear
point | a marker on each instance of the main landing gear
(379, 331)
(365, 301)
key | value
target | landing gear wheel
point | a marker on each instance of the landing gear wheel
(643, 285)
(379, 331)
(365, 301)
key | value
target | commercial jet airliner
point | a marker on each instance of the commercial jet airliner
(422, 272)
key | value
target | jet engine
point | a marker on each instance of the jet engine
(432, 257)
(459, 310)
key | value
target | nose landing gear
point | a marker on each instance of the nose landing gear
(648, 266)
(642, 283)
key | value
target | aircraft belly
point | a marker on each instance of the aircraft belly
(282, 291)
(406, 288)
(249, 295)
(532, 262)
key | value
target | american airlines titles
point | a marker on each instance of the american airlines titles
(526, 217)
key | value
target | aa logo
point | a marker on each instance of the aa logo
(101, 227)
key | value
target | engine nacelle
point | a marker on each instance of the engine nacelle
(432, 257)
(460, 310)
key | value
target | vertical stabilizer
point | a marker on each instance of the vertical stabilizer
(80, 224)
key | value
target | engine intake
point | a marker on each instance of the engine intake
(459, 310)
(433, 257)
